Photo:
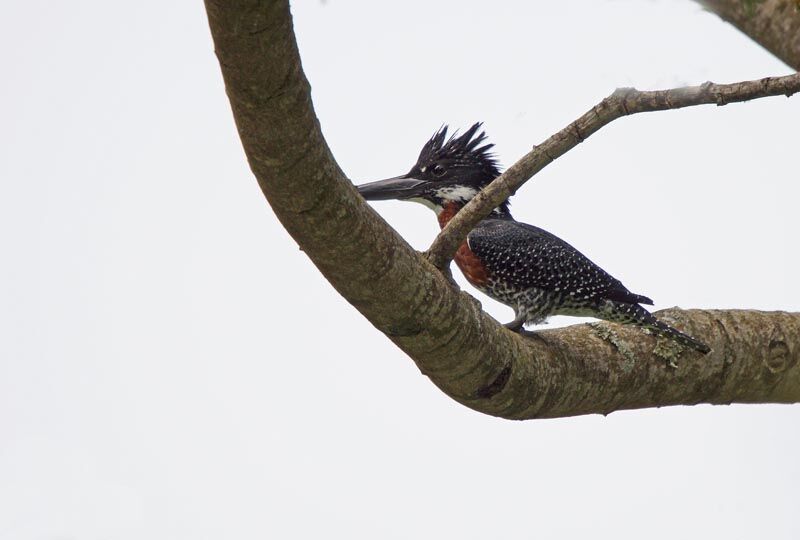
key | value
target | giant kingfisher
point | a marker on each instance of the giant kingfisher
(527, 268)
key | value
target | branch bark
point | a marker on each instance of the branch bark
(623, 102)
(589, 368)
(774, 24)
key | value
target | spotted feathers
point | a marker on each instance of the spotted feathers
(522, 266)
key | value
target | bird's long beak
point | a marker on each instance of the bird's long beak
(399, 187)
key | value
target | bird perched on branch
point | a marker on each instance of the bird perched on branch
(527, 268)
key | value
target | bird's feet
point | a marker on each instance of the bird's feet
(516, 325)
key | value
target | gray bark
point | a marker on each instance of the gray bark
(590, 368)
(773, 24)
(623, 102)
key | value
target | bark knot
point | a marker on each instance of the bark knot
(497, 385)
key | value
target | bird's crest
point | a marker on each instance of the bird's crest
(461, 150)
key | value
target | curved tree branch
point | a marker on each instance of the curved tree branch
(623, 102)
(774, 24)
(589, 368)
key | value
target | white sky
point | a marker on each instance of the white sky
(172, 366)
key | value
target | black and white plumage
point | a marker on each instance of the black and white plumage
(527, 268)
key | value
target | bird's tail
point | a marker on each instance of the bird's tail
(663, 329)
(635, 314)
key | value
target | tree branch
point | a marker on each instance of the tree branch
(589, 368)
(774, 24)
(623, 102)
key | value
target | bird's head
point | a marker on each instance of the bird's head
(449, 171)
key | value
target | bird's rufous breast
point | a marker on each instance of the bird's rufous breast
(469, 263)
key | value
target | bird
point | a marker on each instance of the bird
(522, 266)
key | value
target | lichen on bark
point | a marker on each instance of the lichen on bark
(562, 372)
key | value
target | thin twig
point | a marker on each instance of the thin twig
(623, 102)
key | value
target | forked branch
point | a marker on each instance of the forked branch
(577, 370)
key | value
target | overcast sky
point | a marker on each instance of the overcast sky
(173, 367)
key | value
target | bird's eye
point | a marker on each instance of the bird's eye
(438, 170)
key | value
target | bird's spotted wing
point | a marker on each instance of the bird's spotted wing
(523, 257)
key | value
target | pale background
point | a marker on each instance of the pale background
(173, 367)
